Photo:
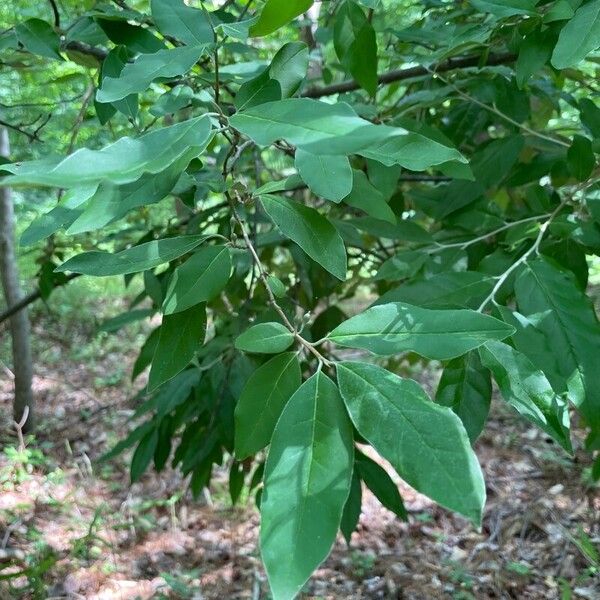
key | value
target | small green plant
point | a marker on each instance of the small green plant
(519, 568)
(362, 563)
(19, 463)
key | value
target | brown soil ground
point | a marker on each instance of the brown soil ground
(111, 540)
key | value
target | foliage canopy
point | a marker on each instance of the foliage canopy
(431, 166)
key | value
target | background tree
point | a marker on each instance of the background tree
(430, 166)
(22, 367)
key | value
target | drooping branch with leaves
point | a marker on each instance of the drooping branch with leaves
(358, 185)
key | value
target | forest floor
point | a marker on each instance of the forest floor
(80, 530)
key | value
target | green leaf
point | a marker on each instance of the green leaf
(578, 37)
(124, 161)
(138, 75)
(277, 13)
(527, 390)
(567, 319)
(310, 230)
(289, 183)
(120, 321)
(111, 202)
(412, 151)
(580, 158)
(307, 482)
(133, 260)
(265, 338)
(466, 387)
(352, 508)
(276, 286)
(590, 116)
(181, 336)
(143, 455)
(187, 24)
(444, 290)
(425, 443)
(327, 176)
(356, 45)
(438, 334)
(146, 353)
(172, 101)
(368, 198)
(61, 216)
(199, 279)
(262, 400)
(236, 481)
(112, 66)
(534, 53)
(505, 8)
(134, 37)
(280, 79)
(327, 129)
(380, 483)
(39, 37)
(404, 264)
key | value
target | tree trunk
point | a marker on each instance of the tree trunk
(19, 323)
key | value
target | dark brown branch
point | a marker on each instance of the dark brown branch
(27, 300)
(32, 136)
(55, 13)
(99, 53)
(412, 72)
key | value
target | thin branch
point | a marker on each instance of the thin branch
(32, 137)
(80, 116)
(533, 249)
(411, 73)
(500, 114)
(27, 300)
(55, 13)
(485, 236)
(99, 53)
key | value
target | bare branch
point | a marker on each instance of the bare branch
(411, 73)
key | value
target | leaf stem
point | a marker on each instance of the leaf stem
(533, 249)
(272, 300)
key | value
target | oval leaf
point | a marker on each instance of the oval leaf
(262, 400)
(199, 279)
(307, 482)
(528, 390)
(265, 338)
(466, 388)
(277, 13)
(438, 334)
(578, 37)
(425, 443)
(133, 260)
(310, 230)
(175, 18)
(181, 335)
(122, 162)
(327, 176)
(138, 75)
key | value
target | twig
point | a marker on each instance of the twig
(411, 73)
(32, 137)
(55, 13)
(19, 427)
(80, 116)
(466, 244)
(534, 248)
(272, 301)
(499, 113)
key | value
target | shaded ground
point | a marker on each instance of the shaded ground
(83, 532)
